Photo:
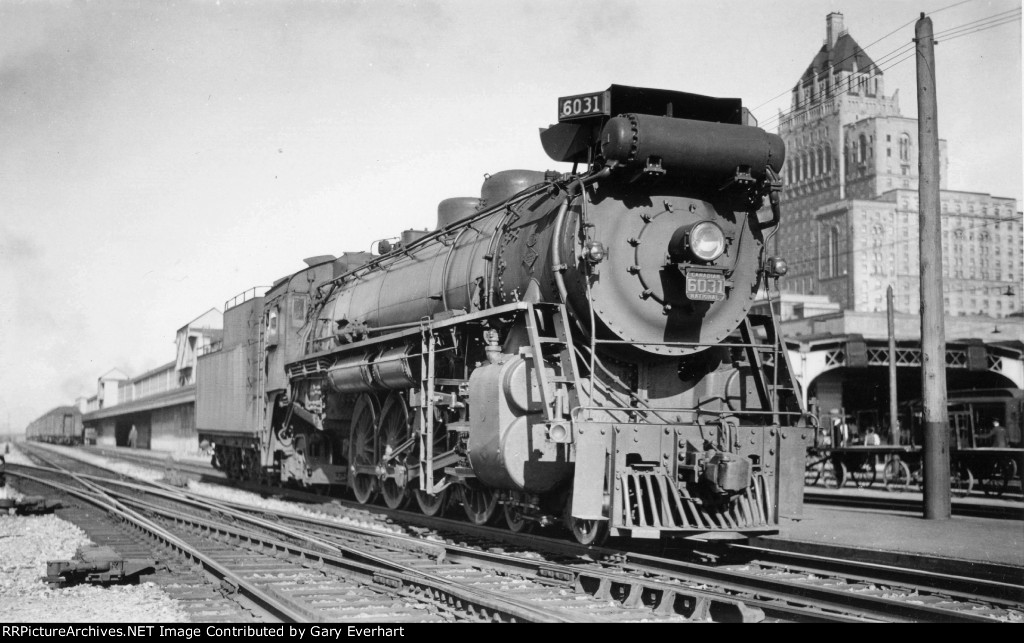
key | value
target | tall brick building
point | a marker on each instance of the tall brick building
(850, 198)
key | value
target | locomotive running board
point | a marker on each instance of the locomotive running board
(316, 362)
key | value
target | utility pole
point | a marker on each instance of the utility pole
(894, 428)
(933, 338)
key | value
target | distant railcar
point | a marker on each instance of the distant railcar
(62, 425)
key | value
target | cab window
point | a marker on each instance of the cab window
(272, 326)
(298, 312)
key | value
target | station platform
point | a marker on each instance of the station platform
(883, 535)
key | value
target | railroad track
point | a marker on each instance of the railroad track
(741, 584)
(198, 593)
(363, 580)
(1005, 510)
(781, 585)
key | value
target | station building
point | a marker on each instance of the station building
(851, 200)
(160, 403)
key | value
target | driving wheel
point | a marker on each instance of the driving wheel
(361, 451)
(395, 448)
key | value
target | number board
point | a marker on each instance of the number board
(704, 286)
(571, 108)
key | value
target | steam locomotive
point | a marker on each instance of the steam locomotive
(570, 348)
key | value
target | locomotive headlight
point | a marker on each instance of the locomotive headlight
(776, 267)
(706, 241)
(595, 252)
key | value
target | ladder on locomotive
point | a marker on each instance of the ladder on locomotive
(559, 394)
(258, 397)
(769, 364)
(425, 408)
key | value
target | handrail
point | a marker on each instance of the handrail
(246, 295)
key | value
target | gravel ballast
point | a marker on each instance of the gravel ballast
(28, 542)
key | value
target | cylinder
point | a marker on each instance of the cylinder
(396, 369)
(351, 375)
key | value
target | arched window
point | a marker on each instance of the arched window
(828, 159)
(904, 147)
(803, 167)
(813, 164)
(862, 149)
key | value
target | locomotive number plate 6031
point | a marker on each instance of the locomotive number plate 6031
(582, 106)
(705, 286)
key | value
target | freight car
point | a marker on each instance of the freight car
(62, 425)
(569, 347)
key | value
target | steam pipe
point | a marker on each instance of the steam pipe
(556, 239)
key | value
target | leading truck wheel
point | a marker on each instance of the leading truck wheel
(362, 453)
(587, 532)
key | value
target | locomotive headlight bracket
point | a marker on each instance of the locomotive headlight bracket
(702, 241)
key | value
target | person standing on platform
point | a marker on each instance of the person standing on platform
(133, 437)
(840, 432)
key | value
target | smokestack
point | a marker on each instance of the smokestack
(833, 27)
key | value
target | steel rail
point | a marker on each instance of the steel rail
(836, 599)
(896, 503)
(812, 595)
(663, 596)
(963, 587)
(249, 590)
(833, 599)
(344, 556)
(393, 575)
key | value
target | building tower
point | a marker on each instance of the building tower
(850, 198)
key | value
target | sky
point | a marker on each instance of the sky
(159, 157)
